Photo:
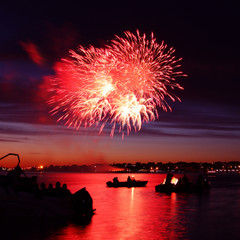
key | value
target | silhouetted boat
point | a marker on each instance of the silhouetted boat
(202, 185)
(130, 183)
(127, 184)
(20, 196)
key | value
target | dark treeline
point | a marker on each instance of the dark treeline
(79, 168)
(177, 167)
(67, 168)
(233, 166)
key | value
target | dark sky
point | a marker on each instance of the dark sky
(205, 35)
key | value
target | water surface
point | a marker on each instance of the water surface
(141, 213)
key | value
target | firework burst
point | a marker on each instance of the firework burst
(124, 83)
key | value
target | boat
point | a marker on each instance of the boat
(21, 196)
(183, 185)
(131, 182)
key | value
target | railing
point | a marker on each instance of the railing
(14, 154)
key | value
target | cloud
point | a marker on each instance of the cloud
(196, 120)
(20, 81)
(33, 52)
(8, 140)
(187, 120)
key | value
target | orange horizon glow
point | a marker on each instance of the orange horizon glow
(28, 159)
(48, 144)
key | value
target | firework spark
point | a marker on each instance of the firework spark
(124, 83)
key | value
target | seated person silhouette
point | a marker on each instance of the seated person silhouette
(115, 180)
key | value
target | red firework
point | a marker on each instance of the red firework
(123, 83)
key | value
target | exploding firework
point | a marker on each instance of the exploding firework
(124, 83)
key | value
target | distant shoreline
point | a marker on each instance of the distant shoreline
(150, 167)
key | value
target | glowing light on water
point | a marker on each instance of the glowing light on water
(173, 181)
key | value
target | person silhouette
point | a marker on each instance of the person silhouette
(43, 188)
(50, 190)
(115, 180)
(169, 178)
(57, 190)
(65, 191)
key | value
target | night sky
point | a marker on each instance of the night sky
(205, 126)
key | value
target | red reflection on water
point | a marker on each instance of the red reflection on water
(126, 213)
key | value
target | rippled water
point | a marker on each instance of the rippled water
(141, 213)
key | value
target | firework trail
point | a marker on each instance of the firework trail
(124, 83)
